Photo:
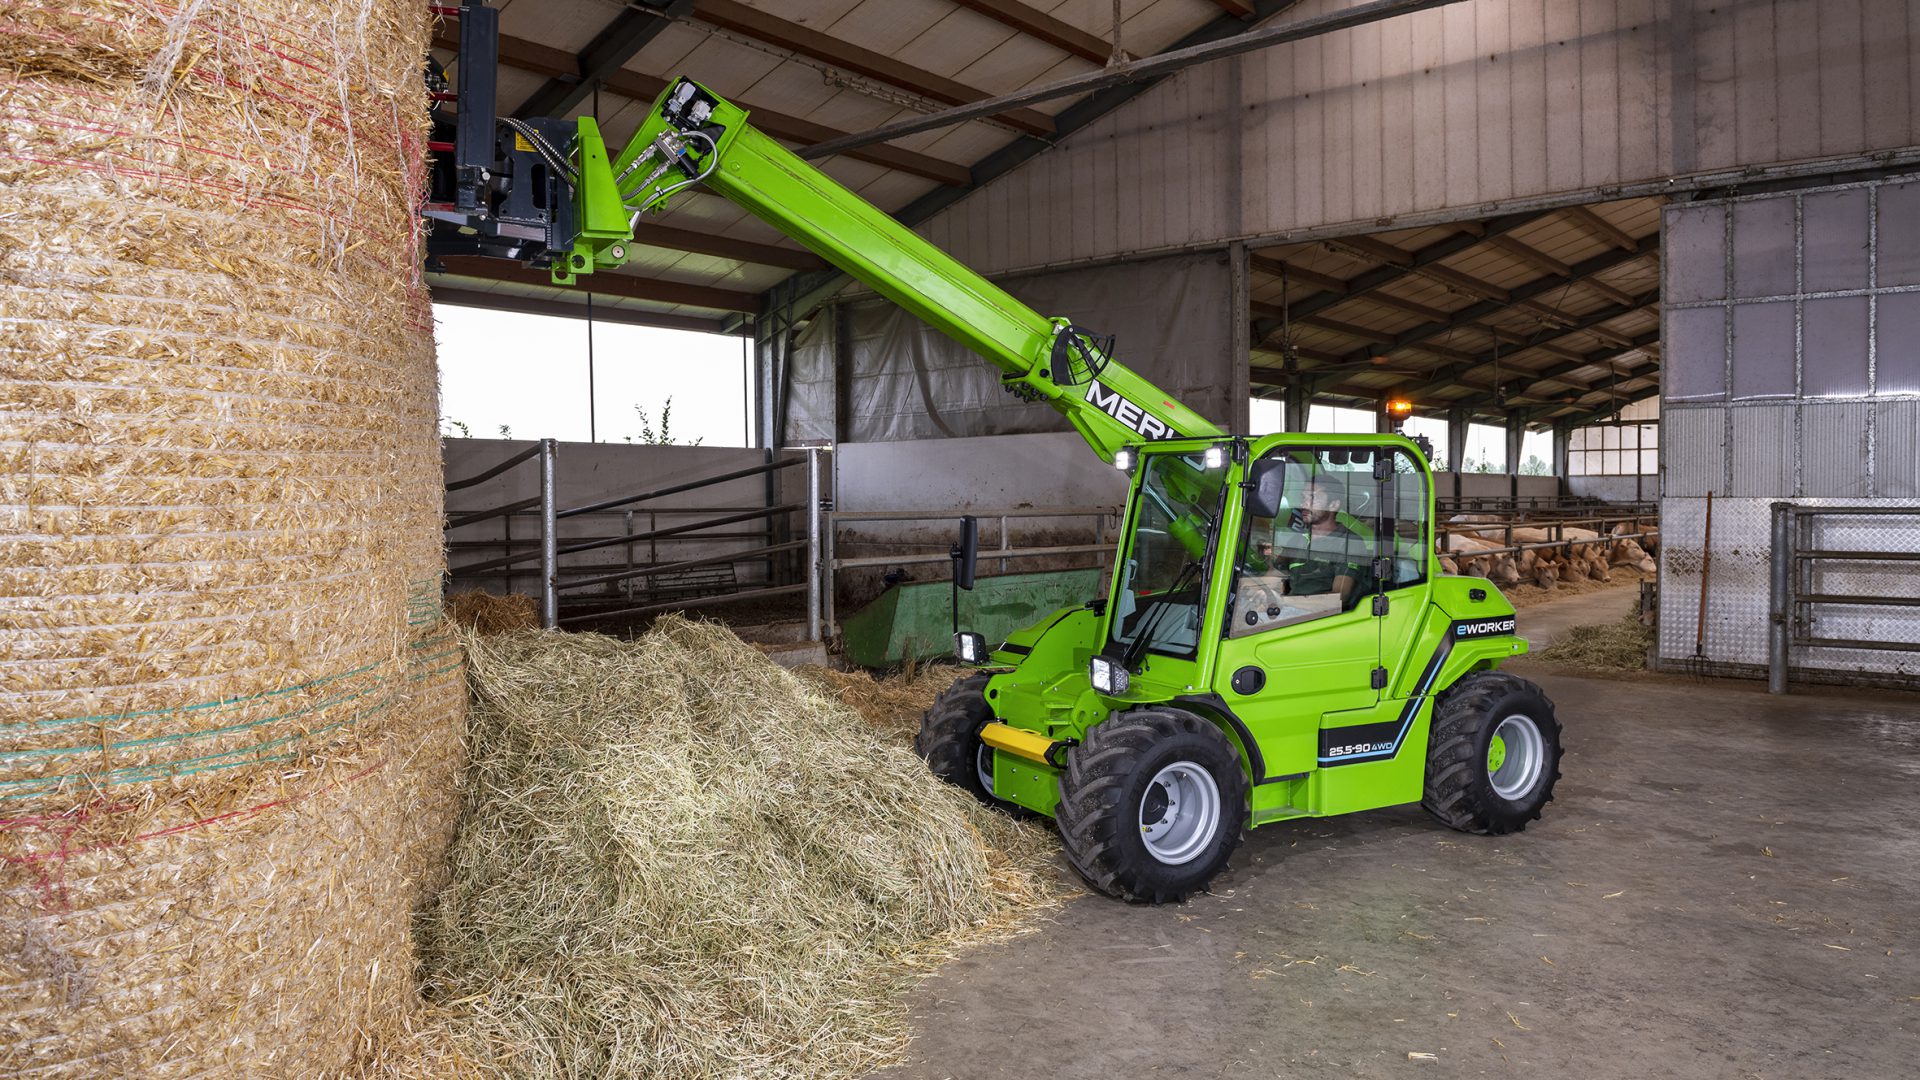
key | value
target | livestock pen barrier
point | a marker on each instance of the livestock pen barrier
(1835, 583)
(771, 536)
(1643, 525)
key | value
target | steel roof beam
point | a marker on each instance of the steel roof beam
(1554, 373)
(725, 247)
(1286, 271)
(803, 295)
(1532, 256)
(1380, 251)
(1475, 312)
(1042, 27)
(604, 313)
(1590, 415)
(1423, 262)
(545, 60)
(1598, 227)
(806, 41)
(1133, 71)
(622, 39)
(605, 283)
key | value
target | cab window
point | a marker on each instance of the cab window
(1319, 524)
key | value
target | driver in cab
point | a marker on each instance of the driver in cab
(1310, 568)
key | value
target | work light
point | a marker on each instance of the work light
(1215, 457)
(970, 647)
(1107, 677)
(1123, 459)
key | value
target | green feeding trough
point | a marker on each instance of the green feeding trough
(914, 620)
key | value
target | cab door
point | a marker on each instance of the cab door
(1301, 635)
(1406, 501)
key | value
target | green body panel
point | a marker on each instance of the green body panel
(914, 620)
(1017, 780)
(605, 227)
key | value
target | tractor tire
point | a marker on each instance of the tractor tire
(949, 738)
(1493, 754)
(1152, 805)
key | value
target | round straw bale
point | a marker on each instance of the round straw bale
(219, 474)
(228, 707)
(262, 932)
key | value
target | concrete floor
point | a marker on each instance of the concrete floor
(1543, 624)
(1726, 885)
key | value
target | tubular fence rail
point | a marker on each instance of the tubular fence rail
(548, 552)
(1537, 506)
(1643, 525)
(1802, 560)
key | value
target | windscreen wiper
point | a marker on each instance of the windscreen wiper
(1150, 622)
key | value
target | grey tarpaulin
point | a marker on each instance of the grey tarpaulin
(1173, 320)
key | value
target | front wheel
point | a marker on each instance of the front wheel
(1493, 754)
(949, 737)
(1151, 805)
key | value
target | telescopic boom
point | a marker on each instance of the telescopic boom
(692, 136)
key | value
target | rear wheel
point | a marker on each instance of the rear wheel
(1493, 755)
(949, 738)
(1151, 805)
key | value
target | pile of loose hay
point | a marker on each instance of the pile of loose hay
(677, 859)
(485, 613)
(1614, 646)
(892, 704)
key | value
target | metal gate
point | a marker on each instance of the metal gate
(1845, 578)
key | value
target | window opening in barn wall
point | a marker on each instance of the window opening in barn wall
(529, 375)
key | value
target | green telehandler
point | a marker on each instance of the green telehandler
(1277, 640)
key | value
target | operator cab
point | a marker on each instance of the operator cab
(1323, 528)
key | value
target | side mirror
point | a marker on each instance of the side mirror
(966, 553)
(1266, 482)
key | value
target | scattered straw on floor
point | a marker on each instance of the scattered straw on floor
(1614, 646)
(485, 613)
(679, 860)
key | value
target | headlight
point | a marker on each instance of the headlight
(1107, 677)
(971, 648)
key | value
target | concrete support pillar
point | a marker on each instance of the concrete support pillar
(1456, 439)
(1516, 435)
(1294, 405)
(842, 370)
(1239, 305)
(1562, 441)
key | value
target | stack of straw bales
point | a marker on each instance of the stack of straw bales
(677, 859)
(229, 710)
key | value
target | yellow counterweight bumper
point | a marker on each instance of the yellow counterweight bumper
(1022, 743)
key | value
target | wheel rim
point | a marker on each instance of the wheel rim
(983, 766)
(1179, 813)
(1515, 757)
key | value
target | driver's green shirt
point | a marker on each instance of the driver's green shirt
(1313, 561)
